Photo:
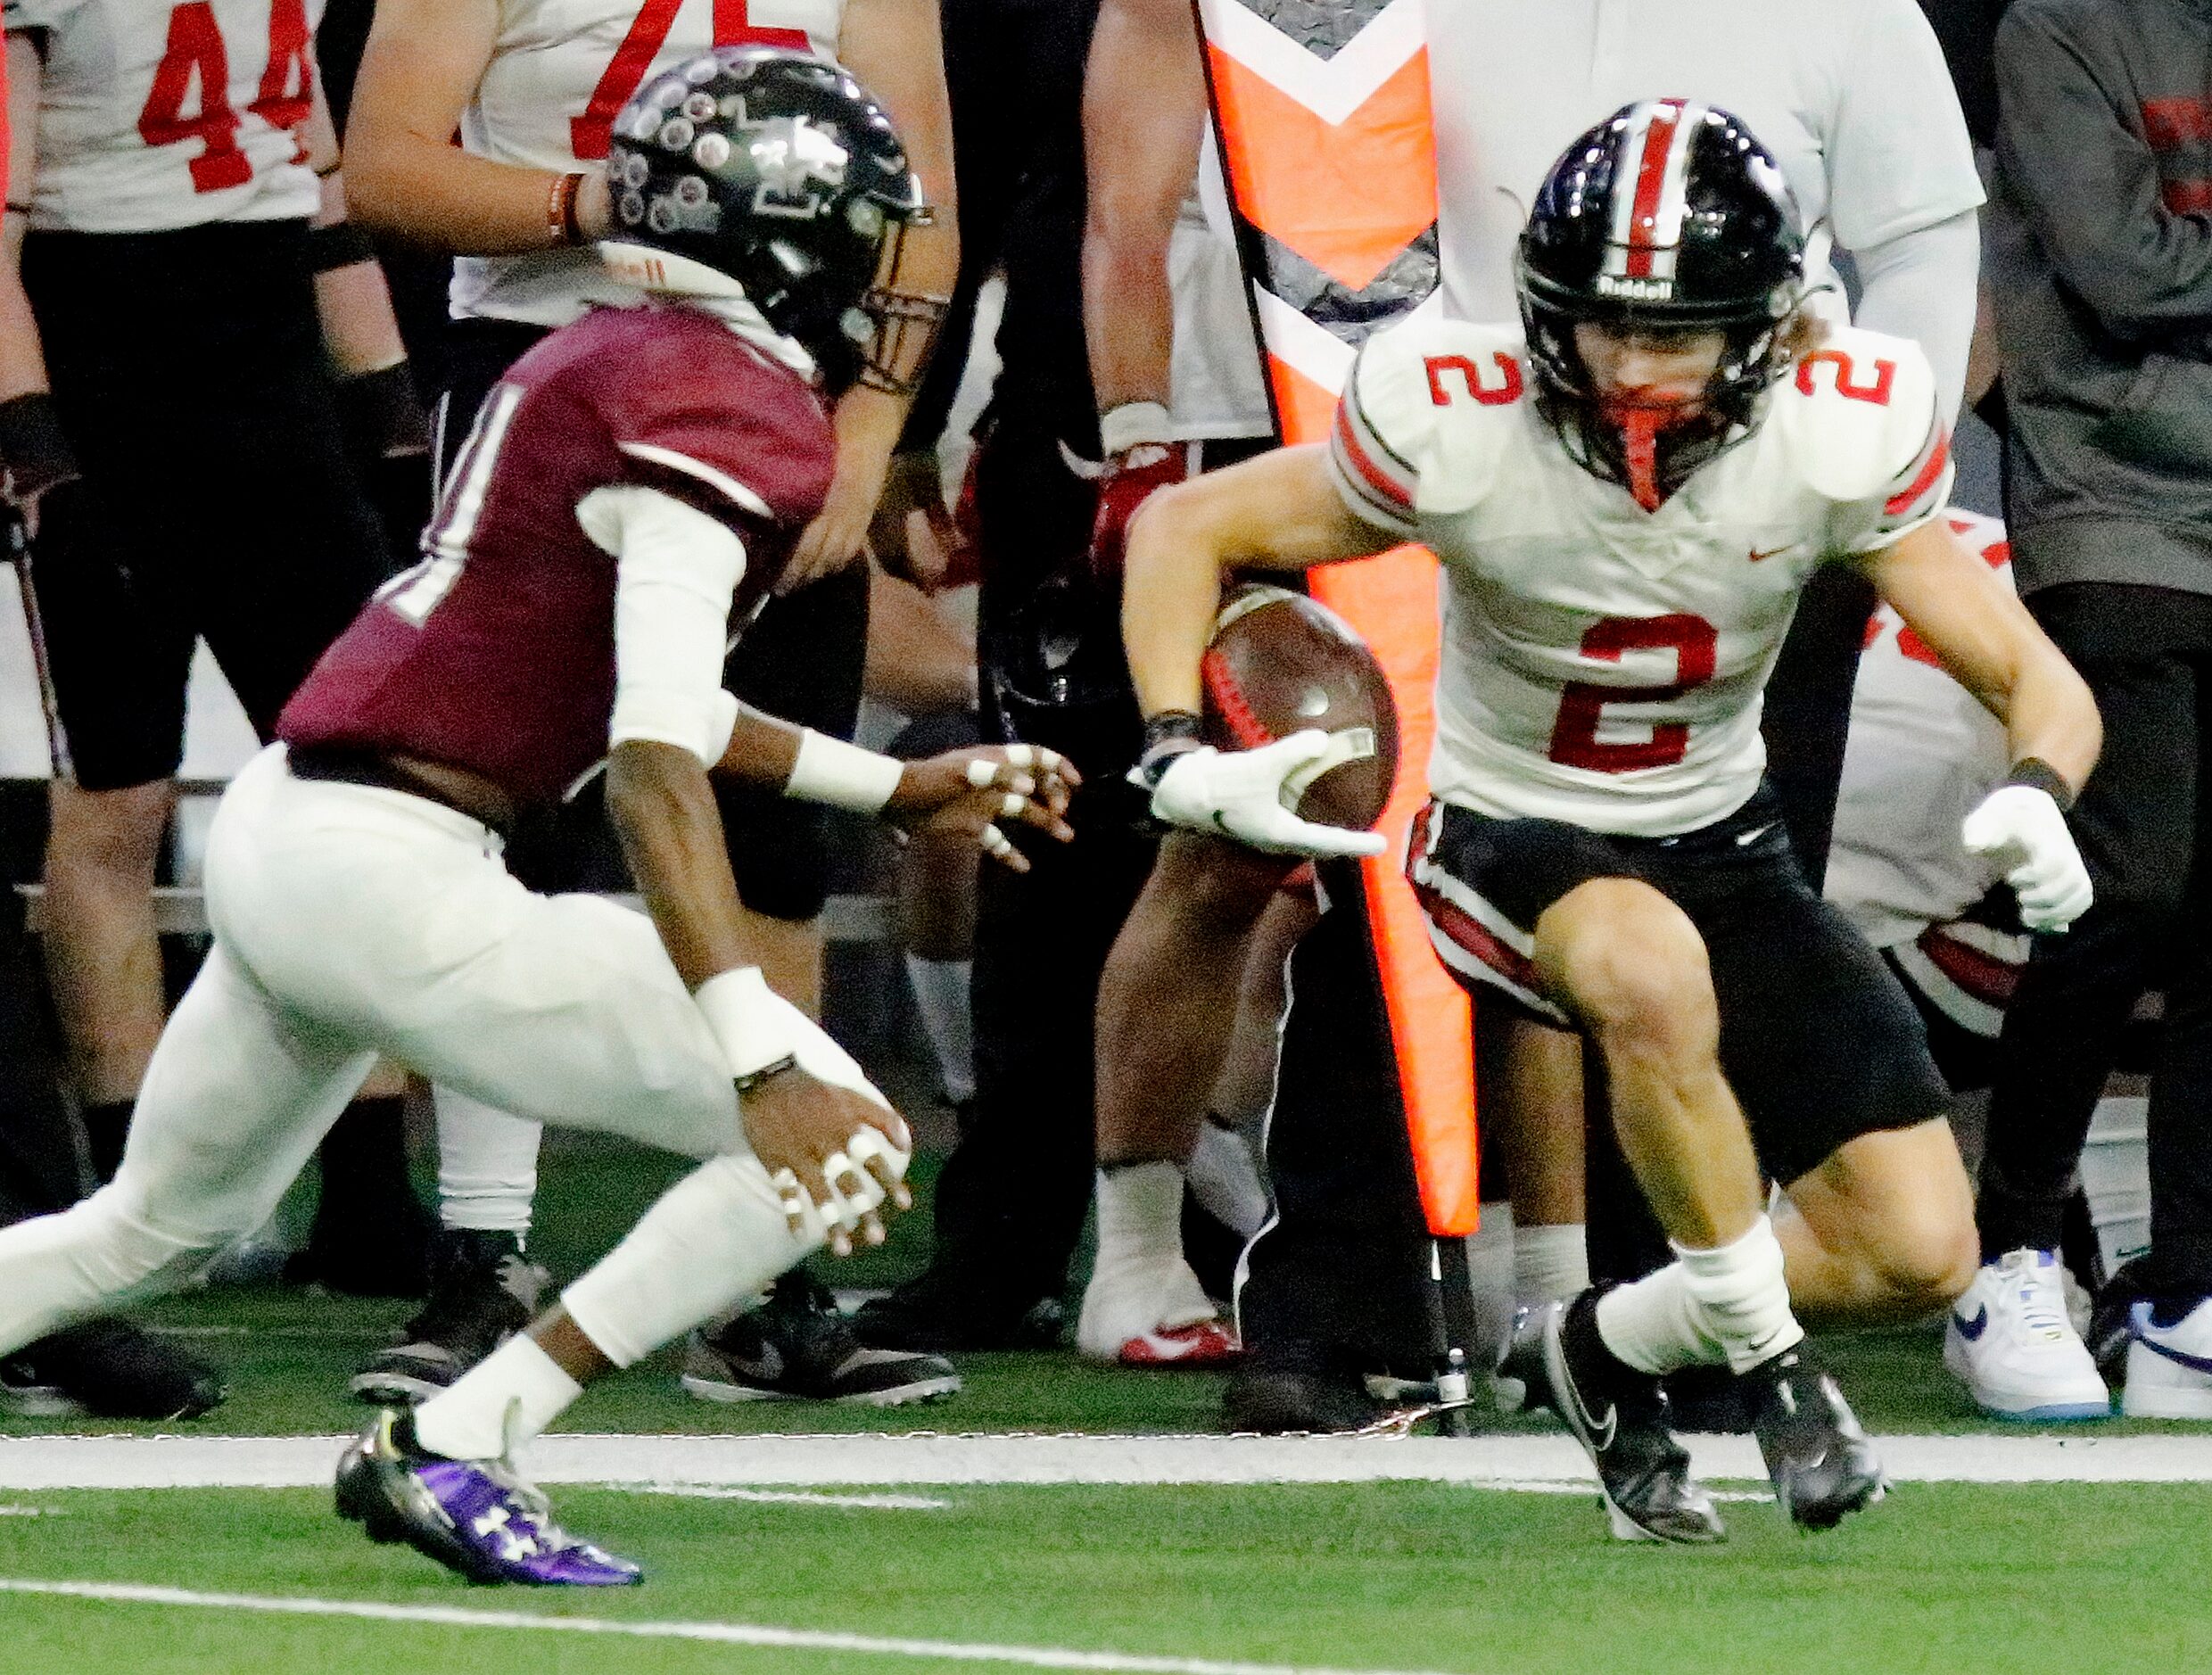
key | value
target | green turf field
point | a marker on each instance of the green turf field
(1404, 1577)
(1194, 1579)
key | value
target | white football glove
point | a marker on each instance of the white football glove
(2021, 828)
(1241, 793)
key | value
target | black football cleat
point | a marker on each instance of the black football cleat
(1619, 1416)
(798, 1347)
(1819, 1461)
(109, 1368)
(482, 1291)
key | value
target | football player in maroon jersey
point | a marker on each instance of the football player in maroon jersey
(632, 488)
(533, 88)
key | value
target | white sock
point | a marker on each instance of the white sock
(941, 996)
(1730, 1304)
(1549, 1264)
(502, 1402)
(487, 1166)
(1743, 1295)
(1140, 1214)
(1225, 1178)
(715, 1238)
(1489, 1275)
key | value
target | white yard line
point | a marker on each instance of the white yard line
(715, 1633)
(31, 1464)
(787, 1497)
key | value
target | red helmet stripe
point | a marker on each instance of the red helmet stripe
(1651, 179)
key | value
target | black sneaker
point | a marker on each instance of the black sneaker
(2109, 1334)
(798, 1346)
(108, 1369)
(1619, 1416)
(483, 1292)
(934, 1315)
(1820, 1462)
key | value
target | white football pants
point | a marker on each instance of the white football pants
(351, 921)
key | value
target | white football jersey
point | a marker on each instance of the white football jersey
(1602, 664)
(1922, 753)
(561, 71)
(154, 116)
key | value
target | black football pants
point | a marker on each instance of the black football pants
(2143, 825)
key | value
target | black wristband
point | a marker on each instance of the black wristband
(32, 446)
(340, 245)
(2039, 775)
(382, 414)
(1167, 736)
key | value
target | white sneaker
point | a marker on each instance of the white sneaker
(2011, 1343)
(2169, 1368)
(1152, 1314)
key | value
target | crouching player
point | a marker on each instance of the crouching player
(631, 492)
(1627, 499)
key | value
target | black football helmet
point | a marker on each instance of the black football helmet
(1667, 216)
(772, 168)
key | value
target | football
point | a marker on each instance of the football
(1279, 664)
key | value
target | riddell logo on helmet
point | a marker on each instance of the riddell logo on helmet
(1635, 290)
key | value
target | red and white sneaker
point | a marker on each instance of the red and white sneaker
(1152, 1313)
(1201, 1343)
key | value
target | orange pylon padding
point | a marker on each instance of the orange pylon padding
(1348, 196)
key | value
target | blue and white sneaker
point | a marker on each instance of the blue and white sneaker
(2010, 1343)
(477, 1517)
(2169, 1361)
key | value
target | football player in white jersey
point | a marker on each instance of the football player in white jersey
(531, 87)
(1627, 496)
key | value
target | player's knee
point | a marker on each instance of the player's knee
(1925, 1259)
(1634, 968)
(126, 1247)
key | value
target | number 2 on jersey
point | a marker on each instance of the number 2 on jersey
(197, 57)
(588, 134)
(1581, 703)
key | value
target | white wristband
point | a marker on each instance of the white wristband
(843, 776)
(749, 1026)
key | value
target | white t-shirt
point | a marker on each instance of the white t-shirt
(1852, 96)
(561, 71)
(154, 117)
(1602, 664)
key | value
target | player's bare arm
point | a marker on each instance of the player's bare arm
(1281, 511)
(1987, 639)
(975, 791)
(662, 807)
(896, 49)
(1144, 109)
(22, 363)
(407, 178)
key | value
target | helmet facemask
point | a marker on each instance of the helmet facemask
(1646, 447)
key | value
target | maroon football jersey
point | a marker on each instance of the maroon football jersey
(497, 652)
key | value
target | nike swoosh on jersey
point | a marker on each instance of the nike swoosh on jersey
(1757, 556)
(1971, 1330)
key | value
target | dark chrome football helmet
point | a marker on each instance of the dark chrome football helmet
(771, 170)
(1667, 216)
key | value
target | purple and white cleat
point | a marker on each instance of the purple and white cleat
(477, 1517)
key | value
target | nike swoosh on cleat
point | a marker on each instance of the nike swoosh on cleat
(1971, 1330)
(2179, 1357)
(1753, 835)
(1758, 1345)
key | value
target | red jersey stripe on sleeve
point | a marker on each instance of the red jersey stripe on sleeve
(1932, 466)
